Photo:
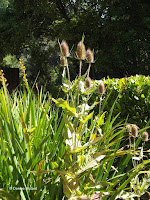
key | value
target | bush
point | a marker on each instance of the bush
(132, 96)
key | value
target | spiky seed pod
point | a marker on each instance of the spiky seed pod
(128, 128)
(81, 52)
(145, 136)
(134, 131)
(88, 82)
(65, 48)
(89, 56)
(63, 61)
(101, 88)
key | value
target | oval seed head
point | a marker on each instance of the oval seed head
(101, 88)
(63, 61)
(88, 82)
(89, 56)
(134, 131)
(81, 52)
(145, 136)
(128, 128)
(64, 48)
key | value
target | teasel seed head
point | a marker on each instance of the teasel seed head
(134, 131)
(88, 82)
(145, 136)
(128, 128)
(81, 52)
(64, 48)
(101, 88)
(63, 61)
(90, 56)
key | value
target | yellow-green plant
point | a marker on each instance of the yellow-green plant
(30, 136)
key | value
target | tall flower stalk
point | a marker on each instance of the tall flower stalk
(101, 89)
(90, 59)
(81, 54)
(64, 62)
(134, 133)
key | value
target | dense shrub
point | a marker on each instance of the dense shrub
(132, 95)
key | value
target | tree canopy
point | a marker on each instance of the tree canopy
(117, 30)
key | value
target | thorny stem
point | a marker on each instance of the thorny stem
(100, 103)
(130, 141)
(134, 161)
(88, 94)
(69, 83)
(75, 139)
(89, 70)
(80, 67)
(86, 100)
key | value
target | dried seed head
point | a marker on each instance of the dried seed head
(88, 82)
(134, 131)
(101, 88)
(145, 136)
(65, 48)
(81, 52)
(63, 61)
(128, 128)
(89, 56)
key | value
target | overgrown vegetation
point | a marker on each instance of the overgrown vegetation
(62, 149)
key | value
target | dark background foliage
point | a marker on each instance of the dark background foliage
(117, 30)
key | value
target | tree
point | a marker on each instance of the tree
(117, 30)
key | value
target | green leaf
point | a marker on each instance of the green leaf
(8, 195)
(66, 189)
(100, 121)
(40, 172)
(62, 172)
(68, 123)
(144, 172)
(87, 118)
(78, 149)
(137, 98)
(91, 164)
(66, 108)
(142, 96)
(94, 134)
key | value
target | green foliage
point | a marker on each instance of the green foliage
(11, 61)
(117, 32)
(3, 4)
(30, 139)
(69, 152)
(133, 98)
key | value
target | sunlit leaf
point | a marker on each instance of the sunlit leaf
(68, 123)
(66, 108)
(87, 118)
